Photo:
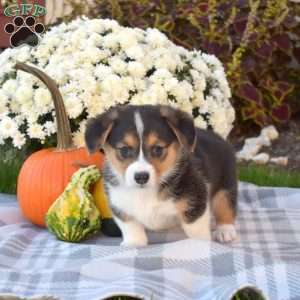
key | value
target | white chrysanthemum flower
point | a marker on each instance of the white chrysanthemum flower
(73, 105)
(135, 52)
(59, 73)
(170, 83)
(24, 54)
(42, 97)
(88, 83)
(24, 94)
(211, 60)
(157, 94)
(136, 69)
(7, 56)
(96, 26)
(8, 127)
(93, 54)
(127, 38)
(42, 52)
(220, 76)
(143, 98)
(110, 24)
(35, 130)
(128, 83)
(187, 106)
(140, 84)
(155, 38)
(19, 140)
(200, 65)
(102, 71)
(14, 106)
(49, 127)
(111, 41)
(198, 81)
(218, 120)
(94, 40)
(200, 122)
(183, 91)
(3, 103)
(118, 65)
(3, 109)
(53, 41)
(160, 76)
(203, 105)
(230, 116)
(10, 86)
(166, 62)
(31, 114)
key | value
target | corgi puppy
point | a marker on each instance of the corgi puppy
(161, 172)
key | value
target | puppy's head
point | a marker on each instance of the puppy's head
(141, 143)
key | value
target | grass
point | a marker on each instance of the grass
(10, 165)
(269, 176)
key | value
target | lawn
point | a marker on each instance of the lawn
(10, 164)
(269, 175)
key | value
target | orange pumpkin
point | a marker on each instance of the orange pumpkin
(45, 173)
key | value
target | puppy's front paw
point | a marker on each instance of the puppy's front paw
(225, 233)
(135, 242)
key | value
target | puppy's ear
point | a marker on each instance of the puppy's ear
(98, 129)
(182, 125)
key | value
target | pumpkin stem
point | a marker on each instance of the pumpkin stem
(64, 136)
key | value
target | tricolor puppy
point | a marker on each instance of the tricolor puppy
(162, 172)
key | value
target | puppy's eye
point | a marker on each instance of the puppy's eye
(157, 151)
(126, 152)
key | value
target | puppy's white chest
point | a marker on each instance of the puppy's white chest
(144, 206)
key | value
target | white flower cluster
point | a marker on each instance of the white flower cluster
(98, 64)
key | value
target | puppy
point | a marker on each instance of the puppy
(161, 172)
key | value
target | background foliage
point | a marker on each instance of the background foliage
(257, 40)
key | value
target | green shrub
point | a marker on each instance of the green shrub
(258, 42)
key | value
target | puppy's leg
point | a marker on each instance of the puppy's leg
(195, 221)
(133, 233)
(224, 210)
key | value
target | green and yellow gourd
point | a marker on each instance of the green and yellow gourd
(74, 215)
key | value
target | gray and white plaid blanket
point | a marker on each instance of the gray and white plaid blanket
(266, 256)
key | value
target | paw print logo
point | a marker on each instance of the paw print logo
(24, 32)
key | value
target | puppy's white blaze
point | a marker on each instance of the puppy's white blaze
(200, 229)
(133, 233)
(139, 125)
(141, 165)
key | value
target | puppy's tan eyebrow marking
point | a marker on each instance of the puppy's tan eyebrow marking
(130, 140)
(152, 140)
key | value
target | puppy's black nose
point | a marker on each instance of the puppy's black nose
(141, 177)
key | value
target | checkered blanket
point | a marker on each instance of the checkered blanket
(266, 257)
